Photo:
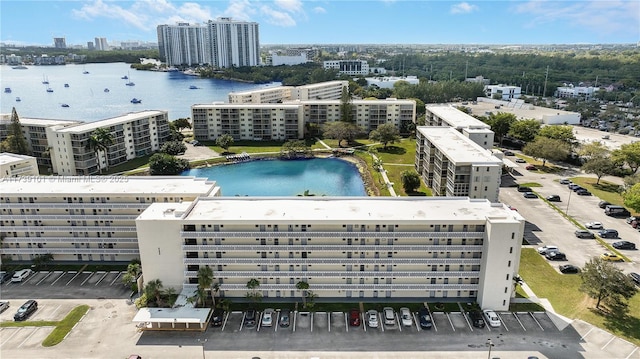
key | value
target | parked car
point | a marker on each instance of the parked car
(553, 198)
(425, 318)
(608, 233)
(5, 276)
(520, 160)
(389, 316)
(583, 192)
(565, 181)
(26, 310)
(4, 305)
(21, 275)
(524, 189)
(372, 318)
(530, 167)
(594, 225)
(492, 318)
(631, 219)
(616, 211)
(405, 317)
(285, 318)
(611, 257)
(354, 318)
(544, 249)
(603, 204)
(476, 319)
(267, 317)
(250, 318)
(569, 269)
(217, 317)
(583, 233)
(624, 245)
(556, 256)
(508, 153)
(578, 188)
(573, 186)
(530, 195)
(635, 277)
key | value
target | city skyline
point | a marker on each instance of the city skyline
(333, 22)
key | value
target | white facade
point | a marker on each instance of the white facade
(83, 218)
(445, 115)
(348, 67)
(329, 90)
(343, 247)
(14, 165)
(267, 95)
(101, 44)
(183, 44)
(576, 91)
(505, 92)
(389, 82)
(453, 165)
(278, 60)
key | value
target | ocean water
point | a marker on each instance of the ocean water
(86, 97)
(320, 176)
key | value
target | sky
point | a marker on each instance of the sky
(30, 22)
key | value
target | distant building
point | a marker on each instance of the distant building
(330, 90)
(348, 67)
(14, 165)
(278, 60)
(478, 79)
(59, 43)
(101, 44)
(90, 45)
(389, 82)
(571, 91)
(504, 92)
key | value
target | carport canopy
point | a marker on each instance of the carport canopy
(182, 318)
(507, 162)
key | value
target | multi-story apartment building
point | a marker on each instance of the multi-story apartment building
(85, 218)
(14, 165)
(60, 42)
(503, 92)
(348, 67)
(451, 164)
(101, 44)
(446, 115)
(135, 134)
(330, 90)
(281, 121)
(344, 248)
(221, 43)
(576, 92)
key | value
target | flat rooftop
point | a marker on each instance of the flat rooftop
(90, 126)
(520, 110)
(48, 186)
(455, 118)
(42, 122)
(346, 209)
(247, 105)
(268, 89)
(457, 147)
(322, 84)
(8, 158)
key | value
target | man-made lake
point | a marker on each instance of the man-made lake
(319, 176)
(89, 101)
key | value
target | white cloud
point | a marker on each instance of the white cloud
(98, 9)
(290, 5)
(319, 10)
(279, 18)
(463, 8)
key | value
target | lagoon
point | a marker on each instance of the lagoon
(268, 177)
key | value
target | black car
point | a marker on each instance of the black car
(217, 318)
(556, 256)
(5, 276)
(574, 187)
(530, 195)
(425, 318)
(603, 204)
(583, 192)
(569, 269)
(25, 310)
(583, 233)
(635, 277)
(624, 245)
(250, 318)
(608, 233)
(476, 319)
(285, 318)
(553, 198)
(524, 189)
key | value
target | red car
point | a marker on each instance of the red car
(531, 167)
(354, 318)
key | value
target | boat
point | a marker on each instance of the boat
(49, 89)
(125, 77)
(45, 80)
(64, 105)
(18, 99)
(66, 85)
(129, 83)
(106, 90)
(7, 90)
(19, 67)
(135, 100)
(84, 71)
(193, 87)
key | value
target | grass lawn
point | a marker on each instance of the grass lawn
(133, 164)
(563, 292)
(606, 191)
(530, 184)
(403, 152)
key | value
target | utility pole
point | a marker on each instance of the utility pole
(466, 67)
(546, 76)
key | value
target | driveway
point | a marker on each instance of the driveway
(195, 153)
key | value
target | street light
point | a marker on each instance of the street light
(568, 201)
(202, 341)
(490, 344)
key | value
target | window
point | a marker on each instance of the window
(509, 264)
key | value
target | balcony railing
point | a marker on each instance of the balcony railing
(334, 261)
(71, 217)
(13, 228)
(330, 248)
(70, 251)
(354, 234)
(341, 274)
(8, 240)
(350, 287)
(77, 206)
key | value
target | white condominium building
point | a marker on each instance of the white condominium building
(453, 165)
(267, 95)
(84, 219)
(183, 44)
(14, 165)
(446, 115)
(330, 90)
(348, 67)
(343, 247)
(281, 121)
(503, 92)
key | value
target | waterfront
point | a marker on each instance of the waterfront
(88, 100)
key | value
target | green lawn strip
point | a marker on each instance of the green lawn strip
(562, 290)
(133, 164)
(375, 175)
(526, 307)
(444, 307)
(606, 191)
(39, 323)
(403, 152)
(530, 184)
(65, 325)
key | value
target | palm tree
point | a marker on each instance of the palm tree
(153, 289)
(252, 285)
(205, 280)
(303, 286)
(99, 141)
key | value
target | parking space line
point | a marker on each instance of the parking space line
(380, 321)
(224, 324)
(415, 320)
(329, 321)
(397, 319)
(466, 319)
(295, 317)
(312, 316)
(28, 279)
(450, 322)
(277, 320)
(585, 335)
(518, 319)
(29, 336)
(242, 322)
(45, 277)
(433, 321)
(74, 277)
(116, 278)
(15, 331)
(103, 276)
(259, 321)
(536, 320)
(502, 321)
(630, 354)
(61, 275)
(346, 323)
(55, 310)
(613, 337)
(84, 281)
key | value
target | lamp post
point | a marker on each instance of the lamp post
(490, 344)
(202, 342)
(566, 212)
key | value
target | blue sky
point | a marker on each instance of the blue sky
(332, 22)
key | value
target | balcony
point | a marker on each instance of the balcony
(343, 274)
(331, 248)
(70, 239)
(334, 261)
(351, 287)
(298, 234)
(72, 251)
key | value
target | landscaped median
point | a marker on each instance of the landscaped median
(62, 327)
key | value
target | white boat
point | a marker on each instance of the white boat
(135, 100)
(130, 83)
(19, 67)
(18, 99)
(106, 90)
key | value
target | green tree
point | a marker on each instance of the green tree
(593, 150)
(630, 181)
(99, 141)
(173, 148)
(606, 283)
(205, 283)
(130, 278)
(600, 166)
(524, 130)
(42, 261)
(15, 141)
(303, 287)
(559, 132)
(501, 124)
(385, 133)
(629, 154)
(346, 107)
(340, 131)
(410, 181)
(295, 149)
(547, 149)
(253, 293)
(225, 141)
(164, 164)
(632, 197)
(153, 289)
(181, 123)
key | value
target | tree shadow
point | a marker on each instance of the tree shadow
(607, 187)
(392, 150)
(416, 194)
(619, 322)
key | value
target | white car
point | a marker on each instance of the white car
(4, 305)
(267, 317)
(405, 317)
(389, 316)
(492, 318)
(594, 225)
(543, 250)
(372, 318)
